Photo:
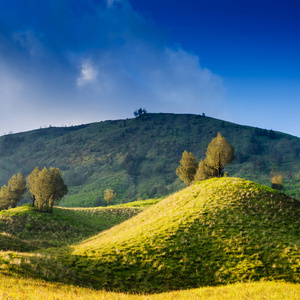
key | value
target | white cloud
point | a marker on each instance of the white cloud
(88, 73)
(105, 63)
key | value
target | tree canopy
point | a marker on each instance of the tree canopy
(188, 167)
(219, 153)
(109, 194)
(204, 171)
(11, 194)
(30, 181)
(46, 187)
(139, 112)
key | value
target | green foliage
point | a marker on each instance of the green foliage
(4, 201)
(204, 172)
(276, 180)
(219, 153)
(31, 183)
(131, 164)
(11, 194)
(46, 187)
(109, 195)
(188, 168)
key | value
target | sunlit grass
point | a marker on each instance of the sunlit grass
(216, 232)
(140, 203)
(19, 288)
(24, 229)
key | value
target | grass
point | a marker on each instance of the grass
(23, 229)
(140, 203)
(29, 289)
(217, 232)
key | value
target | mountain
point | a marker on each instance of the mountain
(138, 157)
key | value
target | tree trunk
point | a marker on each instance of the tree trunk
(219, 166)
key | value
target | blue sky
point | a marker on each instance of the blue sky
(65, 62)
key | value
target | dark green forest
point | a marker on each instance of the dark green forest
(137, 158)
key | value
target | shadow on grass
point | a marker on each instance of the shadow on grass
(10, 243)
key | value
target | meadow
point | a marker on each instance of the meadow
(29, 289)
(222, 238)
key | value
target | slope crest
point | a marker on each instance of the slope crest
(214, 232)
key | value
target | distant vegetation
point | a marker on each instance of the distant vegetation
(137, 158)
(139, 112)
(109, 195)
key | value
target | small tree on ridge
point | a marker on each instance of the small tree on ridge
(188, 168)
(139, 112)
(219, 153)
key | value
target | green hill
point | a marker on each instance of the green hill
(138, 157)
(215, 232)
(23, 229)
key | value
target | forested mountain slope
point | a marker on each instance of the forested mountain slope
(138, 157)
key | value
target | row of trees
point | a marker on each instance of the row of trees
(219, 153)
(44, 187)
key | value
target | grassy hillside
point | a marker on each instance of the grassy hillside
(19, 288)
(138, 157)
(215, 232)
(23, 229)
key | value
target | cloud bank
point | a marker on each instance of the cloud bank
(72, 62)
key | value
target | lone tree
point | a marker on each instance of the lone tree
(109, 194)
(11, 194)
(276, 181)
(46, 188)
(139, 112)
(219, 153)
(188, 168)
